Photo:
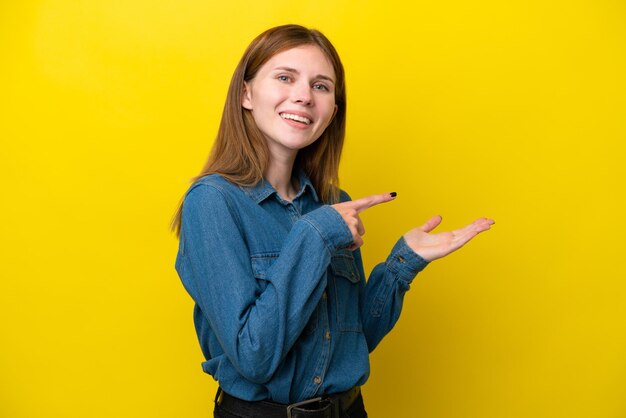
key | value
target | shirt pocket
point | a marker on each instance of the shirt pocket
(346, 288)
(260, 266)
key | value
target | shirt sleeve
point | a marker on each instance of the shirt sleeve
(256, 320)
(383, 295)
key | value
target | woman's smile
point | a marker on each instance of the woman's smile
(297, 120)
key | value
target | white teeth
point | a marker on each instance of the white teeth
(296, 118)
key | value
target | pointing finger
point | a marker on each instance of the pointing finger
(367, 202)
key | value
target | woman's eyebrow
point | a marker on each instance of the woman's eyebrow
(293, 70)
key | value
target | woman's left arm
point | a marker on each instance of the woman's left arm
(382, 296)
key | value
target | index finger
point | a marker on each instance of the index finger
(367, 202)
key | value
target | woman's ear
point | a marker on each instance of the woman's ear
(246, 96)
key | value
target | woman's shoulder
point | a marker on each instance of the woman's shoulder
(213, 180)
(212, 186)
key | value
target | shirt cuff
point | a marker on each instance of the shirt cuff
(405, 261)
(331, 227)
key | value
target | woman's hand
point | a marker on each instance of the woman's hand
(349, 211)
(429, 246)
(433, 246)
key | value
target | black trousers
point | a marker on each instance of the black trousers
(356, 410)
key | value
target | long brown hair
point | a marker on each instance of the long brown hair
(240, 151)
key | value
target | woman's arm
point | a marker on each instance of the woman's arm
(382, 296)
(257, 320)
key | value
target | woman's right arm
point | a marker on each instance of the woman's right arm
(256, 319)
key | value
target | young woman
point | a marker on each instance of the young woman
(269, 245)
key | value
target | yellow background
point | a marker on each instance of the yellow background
(513, 110)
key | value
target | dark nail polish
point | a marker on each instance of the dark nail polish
(393, 194)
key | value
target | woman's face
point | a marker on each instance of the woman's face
(292, 98)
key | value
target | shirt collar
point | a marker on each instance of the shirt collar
(263, 189)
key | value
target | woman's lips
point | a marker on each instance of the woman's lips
(299, 118)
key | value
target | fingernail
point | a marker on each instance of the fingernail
(393, 194)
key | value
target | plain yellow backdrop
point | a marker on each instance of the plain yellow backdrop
(512, 110)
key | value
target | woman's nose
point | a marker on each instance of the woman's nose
(301, 93)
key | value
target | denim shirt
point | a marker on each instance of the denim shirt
(282, 308)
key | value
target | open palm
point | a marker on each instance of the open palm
(433, 246)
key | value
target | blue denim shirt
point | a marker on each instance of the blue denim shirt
(282, 308)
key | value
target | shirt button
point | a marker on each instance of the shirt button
(401, 259)
(317, 380)
(328, 335)
(324, 296)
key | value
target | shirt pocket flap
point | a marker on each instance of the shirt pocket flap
(342, 264)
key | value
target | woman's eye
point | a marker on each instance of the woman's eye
(320, 87)
(283, 78)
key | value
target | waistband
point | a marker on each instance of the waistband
(331, 406)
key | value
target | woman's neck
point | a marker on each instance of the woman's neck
(279, 175)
